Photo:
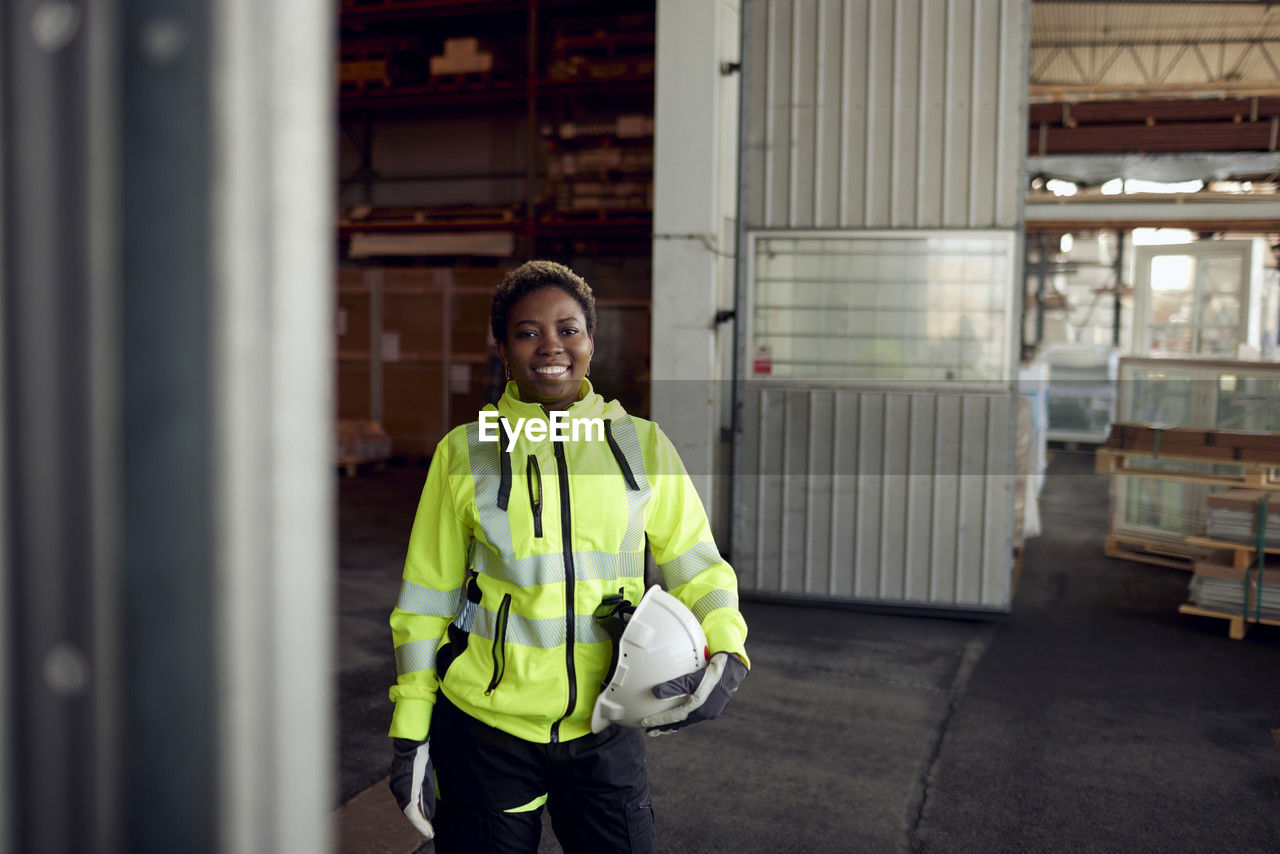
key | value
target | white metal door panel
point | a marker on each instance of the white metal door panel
(876, 495)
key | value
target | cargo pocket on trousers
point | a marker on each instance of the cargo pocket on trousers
(640, 826)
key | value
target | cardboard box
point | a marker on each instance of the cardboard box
(462, 46)
(442, 66)
(1239, 498)
(1215, 568)
(1241, 446)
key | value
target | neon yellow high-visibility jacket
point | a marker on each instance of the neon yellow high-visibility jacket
(511, 552)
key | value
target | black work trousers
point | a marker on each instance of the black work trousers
(493, 786)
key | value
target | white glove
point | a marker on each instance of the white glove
(413, 782)
(709, 690)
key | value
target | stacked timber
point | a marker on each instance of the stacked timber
(1251, 458)
(1222, 589)
(1245, 446)
(1235, 584)
(1234, 516)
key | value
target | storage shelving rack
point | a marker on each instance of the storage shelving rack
(565, 82)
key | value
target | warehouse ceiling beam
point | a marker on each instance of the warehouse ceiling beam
(1091, 69)
(1233, 108)
(1050, 93)
(1198, 212)
(1261, 135)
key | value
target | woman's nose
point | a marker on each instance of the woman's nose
(550, 344)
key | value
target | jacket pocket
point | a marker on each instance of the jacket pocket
(500, 644)
(458, 634)
(534, 478)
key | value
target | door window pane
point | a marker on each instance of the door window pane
(918, 307)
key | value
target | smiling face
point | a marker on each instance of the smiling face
(548, 348)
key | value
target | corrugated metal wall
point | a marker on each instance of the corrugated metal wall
(874, 495)
(883, 114)
(874, 114)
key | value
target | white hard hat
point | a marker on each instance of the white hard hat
(661, 640)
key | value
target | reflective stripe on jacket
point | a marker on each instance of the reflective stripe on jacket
(503, 572)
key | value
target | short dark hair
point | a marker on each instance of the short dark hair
(529, 277)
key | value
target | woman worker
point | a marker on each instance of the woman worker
(515, 544)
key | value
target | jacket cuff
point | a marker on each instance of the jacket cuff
(726, 637)
(411, 719)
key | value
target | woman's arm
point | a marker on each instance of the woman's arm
(686, 553)
(434, 572)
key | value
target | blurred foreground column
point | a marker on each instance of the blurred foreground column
(165, 351)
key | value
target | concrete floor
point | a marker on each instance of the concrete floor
(1095, 719)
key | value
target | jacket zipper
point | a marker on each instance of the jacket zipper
(500, 644)
(534, 477)
(566, 536)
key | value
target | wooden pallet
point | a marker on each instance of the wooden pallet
(1111, 461)
(1237, 624)
(351, 466)
(462, 81)
(1157, 552)
(602, 216)
(363, 76)
(1243, 560)
(413, 219)
(1242, 553)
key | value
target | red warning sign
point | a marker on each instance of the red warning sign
(762, 365)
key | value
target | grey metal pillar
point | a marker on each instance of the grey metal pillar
(60, 396)
(169, 533)
(165, 385)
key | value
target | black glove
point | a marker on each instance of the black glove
(709, 690)
(413, 782)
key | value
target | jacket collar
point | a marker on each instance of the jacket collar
(588, 405)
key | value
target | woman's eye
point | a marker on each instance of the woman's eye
(569, 330)
(526, 334)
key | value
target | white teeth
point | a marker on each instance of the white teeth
(551, 372)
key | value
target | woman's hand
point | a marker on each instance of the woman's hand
(413, 782)
(709, 690)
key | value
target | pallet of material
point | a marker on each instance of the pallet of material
(1197, 443)
(1244, 553)
(364, 75)
(1233, 584)
(462, 55)
(360, 442)
(1235, 595)
(1233, 516)
(375, 244)
(410, 218)
(621, 127)
(1227, 596)
(1237, 625)
(1114, 461)
(1157, 552)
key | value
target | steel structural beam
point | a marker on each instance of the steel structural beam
(1047, 139)
(1244, 214)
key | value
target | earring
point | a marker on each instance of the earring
(507, 365)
